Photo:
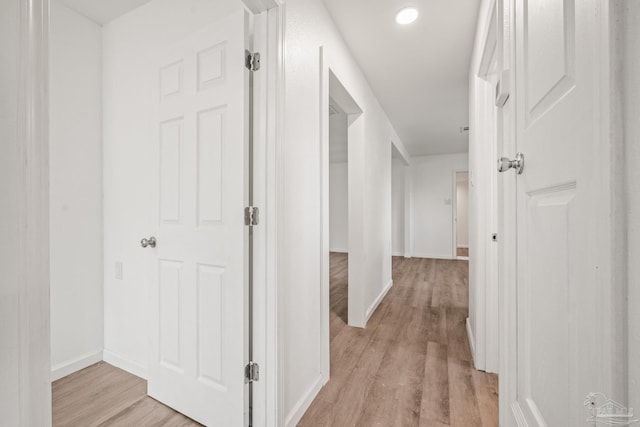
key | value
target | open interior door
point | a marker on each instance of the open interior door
(199, 286)
(563, 213)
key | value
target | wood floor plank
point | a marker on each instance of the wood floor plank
(103, 395)
(411, 365)
(486, 387)
(435, 393)
(463, 402)
(148, 412)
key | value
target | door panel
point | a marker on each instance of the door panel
(562, 201)
(546, 339)
(199, 288)
(548, 41)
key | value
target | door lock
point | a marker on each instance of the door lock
(504, 164)
(151, 241)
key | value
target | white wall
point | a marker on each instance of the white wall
(397, 207)
(309, 26)
(432, 195)
(11, 188)
(129, 46)
(338, 207)
(75, 191)
(462, 214)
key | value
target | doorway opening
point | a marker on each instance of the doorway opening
(156, 100)
(338, 214)
(461, 215)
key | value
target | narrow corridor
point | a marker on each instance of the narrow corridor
(412, 365)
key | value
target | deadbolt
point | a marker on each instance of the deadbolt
(151, 241)
(504, 164)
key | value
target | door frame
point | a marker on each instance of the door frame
(34, 385)
(483, 279)
(454, 213)
(34, 322)
(269, 37)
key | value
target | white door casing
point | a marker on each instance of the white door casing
(563, 208)
(199, 285)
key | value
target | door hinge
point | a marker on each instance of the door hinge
(252, 372)
(251, 216)
(252, 60)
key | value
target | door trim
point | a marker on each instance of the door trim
(454, 214)
(34, 393)
(268, 404)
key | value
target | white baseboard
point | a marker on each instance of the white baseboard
(339, 250)
(472, 342)
(463, 246)
(304, 402)
(397, 253)
(119, 361)
(432, 256)
(377, 301)
(463, 258)
(61, 370)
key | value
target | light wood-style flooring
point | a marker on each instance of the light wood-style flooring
(411, 365)
(462, 251)
(103, 395)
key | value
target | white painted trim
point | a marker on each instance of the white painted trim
(462, 258)
(408, 243)
(398, 254)
(454, 211)
(304, 402)
(34, 374)
(269, 393)
(325, 241)
(472, 341)
(518, 415)
(507, 281)
(463, 246)
(485, 129)
(274, 323)
(340, 250)
(374, 305)
(61, 370)
(126, 364)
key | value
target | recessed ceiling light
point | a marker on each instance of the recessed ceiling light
(407, 15)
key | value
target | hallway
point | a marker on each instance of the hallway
(412, 364)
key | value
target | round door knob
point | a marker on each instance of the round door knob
(151, 241)
(504, 164)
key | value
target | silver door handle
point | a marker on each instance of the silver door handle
(504, 164)
(151, 241)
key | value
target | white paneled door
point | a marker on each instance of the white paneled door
(199, 287)
(563, 210)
